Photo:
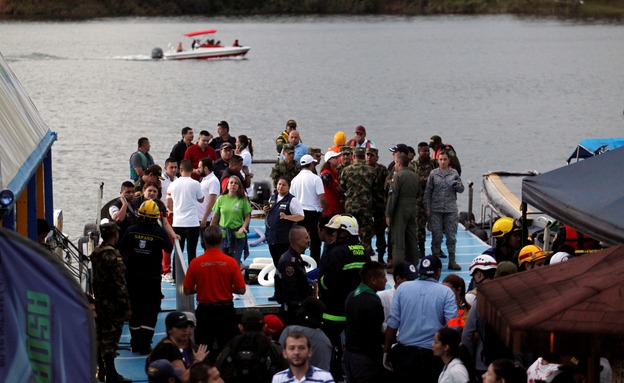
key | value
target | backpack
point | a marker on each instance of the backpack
(248, 360)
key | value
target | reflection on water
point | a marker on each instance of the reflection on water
(508, 94)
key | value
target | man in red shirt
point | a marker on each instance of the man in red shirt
(214, 276)
(198, 151)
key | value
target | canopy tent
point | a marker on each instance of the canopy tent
(587, 195)
(25, 156)
(594, 146)
(572, 308)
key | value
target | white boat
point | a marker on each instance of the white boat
(209, 49)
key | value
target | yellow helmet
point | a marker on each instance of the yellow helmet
(504, 226)
(149, 209)
(530, 254)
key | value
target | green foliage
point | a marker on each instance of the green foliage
(68, 9)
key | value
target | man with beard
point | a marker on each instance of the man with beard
(297, 352)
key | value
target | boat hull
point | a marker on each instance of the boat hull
(207, 53)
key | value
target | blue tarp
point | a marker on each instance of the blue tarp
(591, 147)
(586, 195)
(47, 332)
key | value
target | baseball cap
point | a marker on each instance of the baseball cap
(191, 317)
(227, 145)
(177, 319)
(429, 265)
(162, 368)
(154, 170)
(434, 140)
(252, 316)
(405, 270)
(331, 154)
(360, 129)
(402, 148)
(307, 160)
(274, 324)
(505, 268)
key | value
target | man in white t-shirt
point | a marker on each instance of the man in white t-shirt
(211, 189)
(404, 271)
(182, 197)
(171, 169)
(308, 188)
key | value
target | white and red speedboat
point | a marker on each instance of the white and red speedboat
(200, 50)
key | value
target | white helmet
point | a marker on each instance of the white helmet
(345, 222)
(483, 262)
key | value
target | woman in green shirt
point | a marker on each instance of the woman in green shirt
(232, 211)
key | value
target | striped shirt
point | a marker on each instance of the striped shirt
(313, 374)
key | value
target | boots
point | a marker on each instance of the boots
(452, 265)
(112, 376)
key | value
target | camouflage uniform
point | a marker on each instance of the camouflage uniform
(281, 169)
(356, 182)
(343, 149)
(112, 299)
(379, 205)
(422, 169)
(317, 154)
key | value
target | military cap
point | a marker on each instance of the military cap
(314, 151)
(373, 151)
(288, 148)
(359, 152)
(346, 149)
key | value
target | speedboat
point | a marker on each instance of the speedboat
(199, 50)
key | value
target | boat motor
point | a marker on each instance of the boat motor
(157, 53)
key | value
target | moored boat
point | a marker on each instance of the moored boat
(209, 49)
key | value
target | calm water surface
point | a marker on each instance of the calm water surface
(507, 93)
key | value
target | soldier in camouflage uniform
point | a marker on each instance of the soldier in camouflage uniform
(287, 167)
(347, 158)
(318, 155)
(112, 300)
(356, 182)
(379, 200)
(423, 165)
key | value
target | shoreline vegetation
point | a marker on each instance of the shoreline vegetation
(604, 10)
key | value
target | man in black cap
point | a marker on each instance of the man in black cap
(435, 142)
(219, 166)
(403, 272)
(420, 308)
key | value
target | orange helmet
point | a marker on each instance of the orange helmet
(530, 254)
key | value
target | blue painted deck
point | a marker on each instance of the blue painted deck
(132, 365)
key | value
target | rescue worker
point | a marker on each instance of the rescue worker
(142, 247)
(112, 300)
(338, 276)
(530, 257)
(508, 237)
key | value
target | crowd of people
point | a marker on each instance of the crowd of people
(337, 322)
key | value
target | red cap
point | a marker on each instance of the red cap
(274, 325)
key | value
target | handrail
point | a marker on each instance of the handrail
(183, 302)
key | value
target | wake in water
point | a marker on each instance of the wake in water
(35, 56)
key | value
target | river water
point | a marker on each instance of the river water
(508, 93)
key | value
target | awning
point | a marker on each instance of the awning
(587, 195)
(575, 307)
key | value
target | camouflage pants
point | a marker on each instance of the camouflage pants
(108, 330)
(421, 219)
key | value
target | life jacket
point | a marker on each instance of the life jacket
(367, 144)
(579, 241)
(133, 175)
(278, 229)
